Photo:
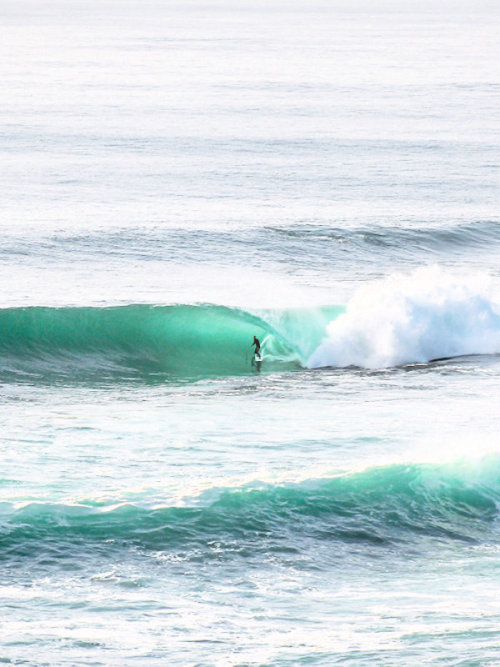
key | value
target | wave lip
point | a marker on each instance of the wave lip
(416, 318)
(384, 505)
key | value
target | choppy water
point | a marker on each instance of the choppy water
(178, 178)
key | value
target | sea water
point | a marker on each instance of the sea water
(178, 177)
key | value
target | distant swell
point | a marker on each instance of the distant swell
(282, 243)
(384, 505)
(403, 240)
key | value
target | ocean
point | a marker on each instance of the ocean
(177, 178)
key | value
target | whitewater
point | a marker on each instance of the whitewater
(178, 178)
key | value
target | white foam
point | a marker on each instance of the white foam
(414, 318)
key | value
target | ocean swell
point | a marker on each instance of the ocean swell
(384, 505)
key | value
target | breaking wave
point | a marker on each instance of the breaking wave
(181, 341)
(383, 505)
(414, 318)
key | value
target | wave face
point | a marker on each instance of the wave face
(383, 505)
(169, 341)
(409, 319)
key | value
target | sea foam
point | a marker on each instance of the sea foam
(403, 319)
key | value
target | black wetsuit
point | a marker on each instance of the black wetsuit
(257, 346)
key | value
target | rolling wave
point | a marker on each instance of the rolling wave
(384, 505)
(182, 341)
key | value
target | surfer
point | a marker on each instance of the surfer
(256, 342)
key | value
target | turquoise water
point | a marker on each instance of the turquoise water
(177, 179)
(167, 342)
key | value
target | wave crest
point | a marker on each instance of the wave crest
(386, 504)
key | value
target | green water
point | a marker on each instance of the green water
(175, 341)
